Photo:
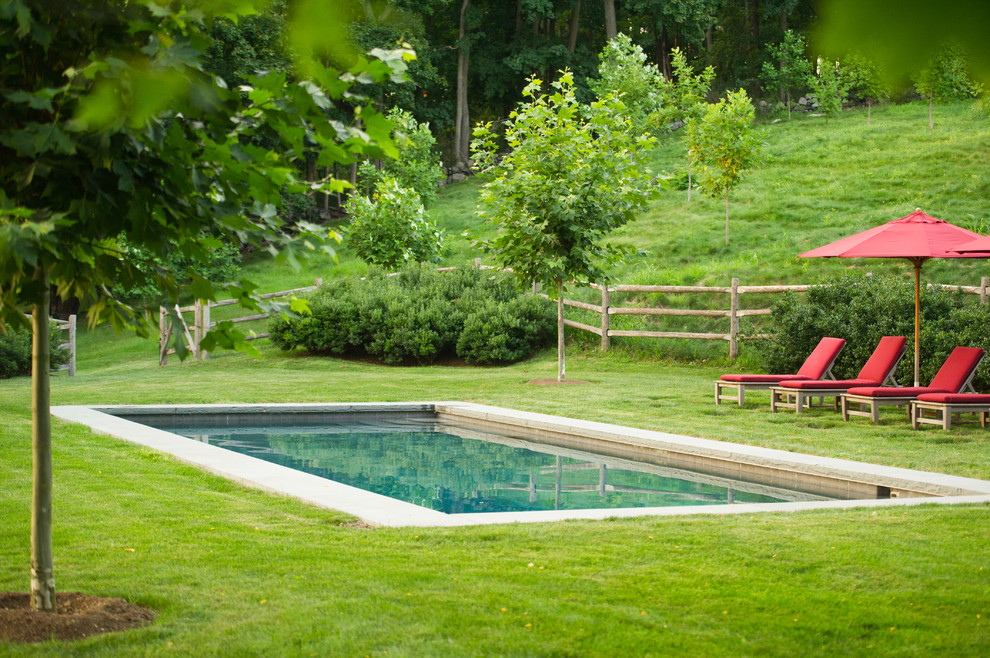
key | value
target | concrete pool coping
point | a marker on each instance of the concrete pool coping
(904, 486)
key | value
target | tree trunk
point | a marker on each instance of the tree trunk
(572, 28)
(756, 21)
(611, 30)
(726, 218)
(869, 109)
(560, 330)
(931, 118)
(689, 180)
(668, 72)
(42, 562)
(788, 104)
(462, 122)
(708, 38)
(310, 173)
(783, 20)
(745, 25)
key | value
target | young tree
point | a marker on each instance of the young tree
(623, 70)
(568, 180)
(724, 143)
(686, 96)
(392, 228)
(864, 80)
(110, 126)
(830, 88)
(788, 68)
(417, 166)
(944, 79)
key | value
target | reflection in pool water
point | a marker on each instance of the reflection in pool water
(461, 471)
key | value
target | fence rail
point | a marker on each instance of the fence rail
(607, 310)
(202, 323)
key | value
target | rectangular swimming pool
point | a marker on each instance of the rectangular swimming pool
(492, 465)
(455, 470)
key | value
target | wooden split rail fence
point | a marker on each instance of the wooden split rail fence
(607, 310)
(70, 326)
(202, 323)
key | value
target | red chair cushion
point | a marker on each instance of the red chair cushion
(818, 362)
(956, 398)
(759, 379)
(826, 384)
(814, 367)
(883, 359)
(894, 391)
(957, 368)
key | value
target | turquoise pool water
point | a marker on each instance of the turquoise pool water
(454, 470)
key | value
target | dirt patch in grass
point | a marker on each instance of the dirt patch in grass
(78, 616)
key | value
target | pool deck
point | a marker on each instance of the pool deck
(861, 481)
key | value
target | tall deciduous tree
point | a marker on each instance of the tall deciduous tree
(725, 144)
(462, 119)
(110, 126)
(568, 180)
(788, 68)
(611, 27)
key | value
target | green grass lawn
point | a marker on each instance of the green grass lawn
(234, 571)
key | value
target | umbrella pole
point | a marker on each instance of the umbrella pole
(917, 321)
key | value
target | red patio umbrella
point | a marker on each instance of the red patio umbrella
(916, 238)
(978, 247)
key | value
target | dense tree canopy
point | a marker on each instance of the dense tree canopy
(110, 126)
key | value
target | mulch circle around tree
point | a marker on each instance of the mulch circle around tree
(78, 616)
(554, 382)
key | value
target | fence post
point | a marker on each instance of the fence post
(606, 320)
(163, 336)
(72, 345)
(734, 321)
(197, 332)
(984, 283)
(205, 327)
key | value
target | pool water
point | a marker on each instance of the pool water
(453, 470)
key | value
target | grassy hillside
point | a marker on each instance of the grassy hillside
(820, 183)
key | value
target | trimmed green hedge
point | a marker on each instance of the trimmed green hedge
(862, 309)
(421, 315)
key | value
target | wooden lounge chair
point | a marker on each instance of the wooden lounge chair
(945, 404)
(818, 365)
(878, 370)
(955, 375)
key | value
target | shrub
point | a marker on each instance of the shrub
(15, 351)
(421, 315)
(392, 228)
(862, 309)
(502, 332)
